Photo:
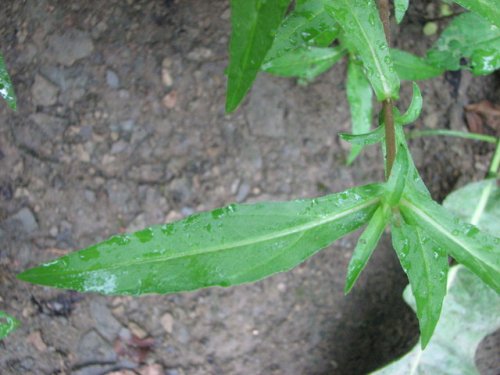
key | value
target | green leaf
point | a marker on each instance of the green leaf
(304, 63)
(399, 174)
(254, 23)
(414, 109)
(484, 195)
(363, 34)
(359, 96)
(366, 244)
(489, 9)
(6, 88)
(470, 312)
(365, 139)
(400, 8)
(476, 250)
(228, 246)
(467, 36)
(308, 25)
(413, 68)
(7, 324)
(426, 265)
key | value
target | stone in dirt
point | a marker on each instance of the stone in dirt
(70, 46)
(23, 220)
(44, 92)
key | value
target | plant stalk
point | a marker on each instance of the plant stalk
(390, 133)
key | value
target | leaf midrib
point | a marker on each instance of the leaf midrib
(240, 243)
(426, 217)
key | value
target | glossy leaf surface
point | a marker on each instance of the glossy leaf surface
(413, 68)
(7, 324)
(359, 96)
(6, 88)
(228, 246)
(464, 202)
(253, 23)
(400, 8)
(363, 34)
(308, 25)
(473, 248)
(366, 244)
(426, 265)
(470, 312)
(396, 183)
(365, 139)
(468, 36)
(489, 9)
(304, 63)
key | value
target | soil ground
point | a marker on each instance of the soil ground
(121, 124)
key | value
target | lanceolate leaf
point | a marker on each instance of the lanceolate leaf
(364, 34)
(359, 96)
(6, 88)
(470, 312)
(304, 63)
(366, 244)
(228, 246)
(365, 139)
(399, 175)
(464, 203)
(254, 23)
(489, 9)
(413, 68)
(414, 109)
(476, 250)
(426, 265)
(7, 324)
(400, 8)
(468, 36)
(306, 26)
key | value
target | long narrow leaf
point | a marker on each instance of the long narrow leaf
(400, 8)
(308, 25)
(253, 25)
(365, 139)
(304, 63)
(7, 324)
(396, 183)
(367, 242)
(414, 109)
(413, 68)
(359, 96)
(364, 34)
(426, 265)
(228, 246)
(470, 313)
(6, 88)
(489, 9)
(476, 250)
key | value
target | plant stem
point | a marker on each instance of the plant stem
(390, 133)
(452, 133)
(495, 162)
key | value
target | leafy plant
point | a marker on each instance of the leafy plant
(7, 324)
(242, 243)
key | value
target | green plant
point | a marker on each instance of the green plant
(243, 243)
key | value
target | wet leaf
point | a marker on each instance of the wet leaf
(365, 139)
(470, 312)
(366, 244)
(359, 96)
(400, 8)
(473, 248)
(228, 246)
(304, 63)
(363, 34)
(414, 109)
(254, 23)
(6, 88)
(426, 265)
(308, 25)
(413, 68)
(397, 180)
(7, 324)
(467, 36)
(489, 9)
(465, 201)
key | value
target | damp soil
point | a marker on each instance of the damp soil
(121, 124)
